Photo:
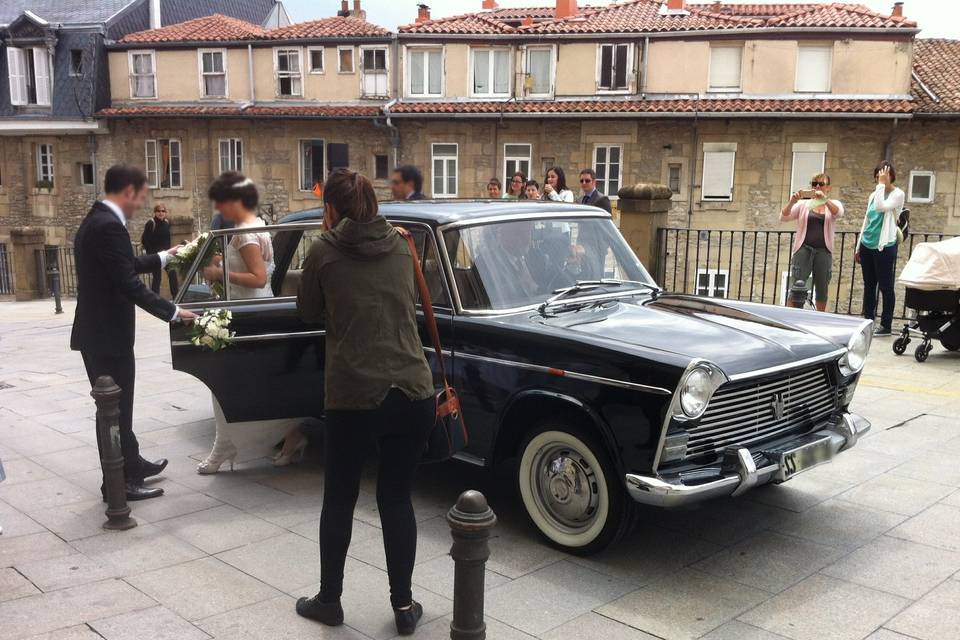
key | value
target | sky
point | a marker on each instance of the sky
(936, 18)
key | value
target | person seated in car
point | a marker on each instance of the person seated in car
(509, 264)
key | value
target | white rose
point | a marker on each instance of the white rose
(208, 341)
(223, 334)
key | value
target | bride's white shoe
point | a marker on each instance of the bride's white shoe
(215, 460)
(284, 459)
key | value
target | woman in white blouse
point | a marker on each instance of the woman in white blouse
(555, 186)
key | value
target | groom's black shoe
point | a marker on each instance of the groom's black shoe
(136, 490)
(149, 469)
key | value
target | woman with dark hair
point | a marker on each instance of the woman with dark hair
(250, 262)
(358, 282)
(877, 249)
(516, 188)
(555, 186)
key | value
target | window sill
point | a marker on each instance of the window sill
(296, 97)
(38, 191)
(169, 192)
(142, 98)
(491, 96)
(920, 200)
(316, 73)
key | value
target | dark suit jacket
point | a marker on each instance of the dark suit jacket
(417, 195)
(598, 200)
(108, 286)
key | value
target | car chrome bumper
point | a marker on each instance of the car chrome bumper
(739, 470)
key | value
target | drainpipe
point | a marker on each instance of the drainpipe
(253, 93)
(394, 132)
(643, 78)
(888, 145)
(693, 159)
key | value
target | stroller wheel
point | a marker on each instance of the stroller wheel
(900, 345)
(922, 351)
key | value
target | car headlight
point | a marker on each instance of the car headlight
(696, 389)
(856, 355)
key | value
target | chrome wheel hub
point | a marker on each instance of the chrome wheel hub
(565, 487)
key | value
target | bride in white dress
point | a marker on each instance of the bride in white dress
(250, 259)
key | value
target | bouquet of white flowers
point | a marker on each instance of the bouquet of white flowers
(212, 330)
(187, 255)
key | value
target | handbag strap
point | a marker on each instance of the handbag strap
(426, 302)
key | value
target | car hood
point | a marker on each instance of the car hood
(738, 340)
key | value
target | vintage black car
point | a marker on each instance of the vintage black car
(570, 361)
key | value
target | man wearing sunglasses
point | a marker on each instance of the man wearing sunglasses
(156, 238)
(591, 196)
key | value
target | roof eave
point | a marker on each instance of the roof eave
(256, 42)
(663, 114)
(662, 34)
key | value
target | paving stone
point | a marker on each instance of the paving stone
(202, 588)
(156, 623)
(437, 576)
(856, 465)
(46, 612)
(44, 494)
(515, 551)
(938, 526)
(934, 617)
(173, 505)
(938, 467)
(79, 632)
(824, 608)
(66, 571)
(244, 495)
(15, 524)
(287, 562)
(839, 523)
(13, 585)
(291, 511)
(675, 608)
(897, 494)
(75, 521)
(140, 549)
(800, 493)
(218, 529)
(275, 619)
(724, 522)
(30, 548)
(886, 634)
(439, 629)
(770, 561)
(23, 470)
(361, 531)
(38, 441)
(897, 566)
(433, 541)
(70, 460)
(953, 499)
(591, 625)
(736, 630)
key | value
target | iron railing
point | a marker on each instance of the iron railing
(6, 274)
(67, 266)
(754, 265)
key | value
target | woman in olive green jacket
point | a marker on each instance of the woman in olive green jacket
(358, 281)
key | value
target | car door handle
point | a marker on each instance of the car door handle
(263, 337)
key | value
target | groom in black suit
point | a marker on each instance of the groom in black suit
(107, 290)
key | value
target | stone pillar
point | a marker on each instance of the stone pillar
(643, 210)
(27, 241)
(181, 228)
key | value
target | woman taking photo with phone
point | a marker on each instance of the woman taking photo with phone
(816, 215)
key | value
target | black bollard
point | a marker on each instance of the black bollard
(470, 520)
(107, 396)
(54, 274)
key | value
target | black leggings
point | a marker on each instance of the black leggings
(399, 427)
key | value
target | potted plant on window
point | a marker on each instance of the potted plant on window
(44, 186)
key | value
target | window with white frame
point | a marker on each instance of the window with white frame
(30, 76)
(539, 70)
(809, 159)
(143, 74)
(289, 72)
(614, 66)
(45, 170)
(311, 164)
(516, 157)
(719, 161)
(85, 173)
(712, 282)
(163, 163)
(345, 59)
(490, 72)
(674, 177)
(922, 186)
(373, 79)
(444, 162)
(425, 71)
(213, 73)
(231, 154)
(315, 56)
(607, 163)
(814, 69)
(725, 65)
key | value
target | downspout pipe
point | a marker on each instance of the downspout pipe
(693, 159)
(888, 145)
(643, 77)
(394, 132)
(253, 92)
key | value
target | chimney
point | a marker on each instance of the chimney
(676, 6)
(357, 11)
(344, 8)
(155, 21)
(528, 21)
(566, 8)
(489, 5)
(897, 10)
(423, 13)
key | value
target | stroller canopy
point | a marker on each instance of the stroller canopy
(933, 265)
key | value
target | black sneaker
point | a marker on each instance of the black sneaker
(329, 613)
(881, 332)
(407, 619)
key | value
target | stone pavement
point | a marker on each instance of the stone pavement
(866, 547)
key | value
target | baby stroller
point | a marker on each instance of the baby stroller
(932, 278)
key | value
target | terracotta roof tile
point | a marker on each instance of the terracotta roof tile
(656, 106)
(935, 65)
(641, 16)
(755, 10)
(213, 28)
(335, 27)
(841, 15)
(468, 23)
(232, 111)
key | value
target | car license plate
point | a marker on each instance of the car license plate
(800, 458)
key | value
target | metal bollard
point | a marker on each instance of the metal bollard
(470, 520)
(107, 396)
(54, 274)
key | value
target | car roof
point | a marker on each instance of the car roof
(445, 211)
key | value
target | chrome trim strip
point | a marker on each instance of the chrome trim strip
(567, 374)
(261, 337)
(532, 215)
(469, 458)
(799, 364)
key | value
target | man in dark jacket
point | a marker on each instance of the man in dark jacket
(156, 238)
(591, 196)
(406, 183)
(107, 290)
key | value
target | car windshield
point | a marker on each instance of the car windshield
(508, 265)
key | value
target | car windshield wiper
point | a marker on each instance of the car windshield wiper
(586, 285)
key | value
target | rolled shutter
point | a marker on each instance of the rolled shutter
(18, 78)
(622, 66)
(41, 65)
(718, 175)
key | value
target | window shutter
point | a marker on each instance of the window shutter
(621, 66)
(718, 175)
(814, 69)
(725, 67)
(606, 66)
(18, 77)
(806, 164)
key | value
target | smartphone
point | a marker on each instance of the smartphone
(806, 194)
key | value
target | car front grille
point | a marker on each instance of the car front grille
(744, 414)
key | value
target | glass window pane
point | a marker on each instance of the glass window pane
(539, 69)
(501, 81)
(438, 176)
(316, 60)
(451, 176)
(435, 69)
(444, 149)
(215, 85)
(481, 72)
(417, 59)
